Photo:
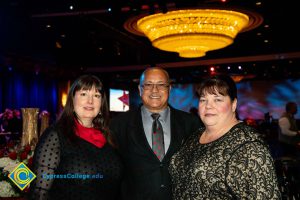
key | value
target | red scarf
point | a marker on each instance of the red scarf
(91, 135)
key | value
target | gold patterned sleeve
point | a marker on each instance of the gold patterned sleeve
(250, 173)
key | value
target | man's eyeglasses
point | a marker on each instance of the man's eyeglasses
(159, 86)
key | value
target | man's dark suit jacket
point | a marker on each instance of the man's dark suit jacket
(146, 178)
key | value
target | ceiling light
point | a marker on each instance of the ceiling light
(192, 32)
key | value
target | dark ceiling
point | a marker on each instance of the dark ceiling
(46, 36)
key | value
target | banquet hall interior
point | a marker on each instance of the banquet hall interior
(45, 45)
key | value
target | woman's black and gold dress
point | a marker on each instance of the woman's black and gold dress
(236, 166)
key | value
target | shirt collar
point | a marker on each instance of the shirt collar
(163, 114)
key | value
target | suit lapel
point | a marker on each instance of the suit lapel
(138, 137)
(175, 133)
(139, 141)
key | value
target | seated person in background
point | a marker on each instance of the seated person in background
(226, 159)
(6, 123)
(16, 125)
(289, 134)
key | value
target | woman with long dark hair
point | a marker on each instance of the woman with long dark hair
(75, 158)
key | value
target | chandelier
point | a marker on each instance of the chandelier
(193, 32)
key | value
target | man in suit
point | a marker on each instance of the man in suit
(147, 176)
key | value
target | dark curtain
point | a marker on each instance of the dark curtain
(28, 90)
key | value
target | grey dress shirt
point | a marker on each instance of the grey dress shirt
(165, 122)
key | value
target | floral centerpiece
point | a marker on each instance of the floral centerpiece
(10, 158)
